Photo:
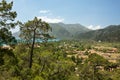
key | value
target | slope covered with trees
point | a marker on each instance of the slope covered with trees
(110, 33)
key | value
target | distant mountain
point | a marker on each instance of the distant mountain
(110, 33)
(59, 31)
(64, 31)
(67, 31)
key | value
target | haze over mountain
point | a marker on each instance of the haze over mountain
(63, 31)
(67, 31)
(78, 31)
(110, 33)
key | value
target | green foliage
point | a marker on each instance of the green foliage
(7, 16)
(32, 30)
(38, 78)
(55, 64)
(86, 53)
(6, 37)
(8, 64)
(50, 62)
(97, 60)
(34, 27)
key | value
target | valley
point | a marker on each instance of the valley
(44, 47)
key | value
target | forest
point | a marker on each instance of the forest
(69, 59)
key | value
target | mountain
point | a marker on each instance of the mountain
(110, 33)
(59, 31)
(67, 31)
(64, 31)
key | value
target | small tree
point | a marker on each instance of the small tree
(7, 16)
(32, 30)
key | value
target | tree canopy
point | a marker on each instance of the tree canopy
(7, 17)
(32, 30)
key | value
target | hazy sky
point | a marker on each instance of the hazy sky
(90, 13)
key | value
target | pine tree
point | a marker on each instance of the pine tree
(32, 30)
(7, 17)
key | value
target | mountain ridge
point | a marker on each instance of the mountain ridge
(63, 31)
(109, 33)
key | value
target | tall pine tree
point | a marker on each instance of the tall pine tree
(32, 30)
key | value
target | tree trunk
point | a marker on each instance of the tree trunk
(31, 53)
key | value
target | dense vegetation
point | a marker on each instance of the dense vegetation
(61, 60)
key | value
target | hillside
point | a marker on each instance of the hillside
(110, 33)
(75, 28)
(64, 31)
(59, 31)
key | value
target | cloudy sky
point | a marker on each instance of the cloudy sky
(93, 14)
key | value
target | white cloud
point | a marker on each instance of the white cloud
(44, 11)
(51, 20)
(94, 27)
